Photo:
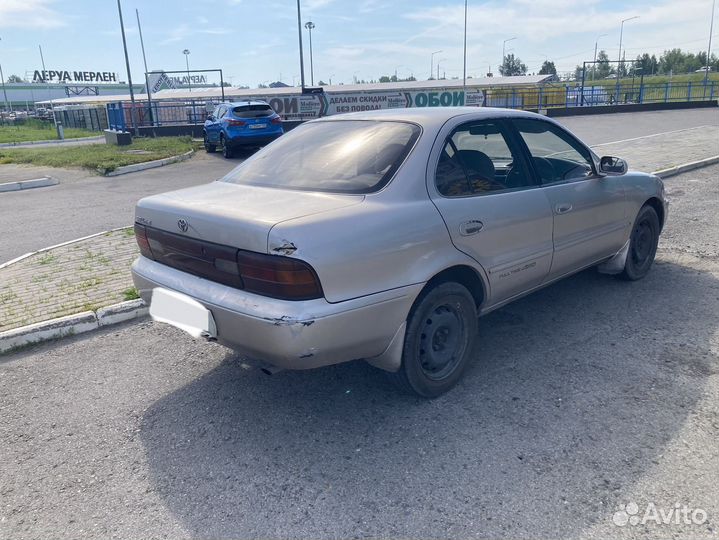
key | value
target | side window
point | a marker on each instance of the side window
(221, 111)
(478, 159)
(557, 156)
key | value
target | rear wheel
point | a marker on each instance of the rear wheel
(642, 244)
(209, 148)
(226, 148)
(441, 332)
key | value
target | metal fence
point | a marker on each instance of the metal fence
(122, 116)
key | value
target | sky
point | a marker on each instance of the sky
(256, 42)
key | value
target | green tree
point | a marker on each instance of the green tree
(603, 67)
(18, 79)
(512, 66)
(648, 64)
(548, 68)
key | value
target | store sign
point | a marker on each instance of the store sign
(64, 76)
(187, 80)
(309, 106)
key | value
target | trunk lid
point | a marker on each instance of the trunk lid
(234, 215)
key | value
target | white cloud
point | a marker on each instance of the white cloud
(29, 14)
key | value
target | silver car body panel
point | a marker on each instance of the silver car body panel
(374, 253)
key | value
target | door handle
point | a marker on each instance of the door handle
(470, 227)
(562, 208)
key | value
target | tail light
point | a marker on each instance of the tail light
(276, 120)
(279, 277)
(142, 241)
(236, 123)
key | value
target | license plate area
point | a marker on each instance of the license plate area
(258, 126)
(183, 312)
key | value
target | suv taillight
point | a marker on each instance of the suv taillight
(279, 277)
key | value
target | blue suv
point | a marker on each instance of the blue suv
(242, 123)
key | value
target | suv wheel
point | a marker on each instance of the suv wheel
(209, 148)
(441, 332)
(226, 149)
(642, 244)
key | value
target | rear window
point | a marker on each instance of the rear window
(340, 156)
(252, 111)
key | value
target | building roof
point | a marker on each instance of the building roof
(232, 93)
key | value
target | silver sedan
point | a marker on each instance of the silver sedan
(384, 235)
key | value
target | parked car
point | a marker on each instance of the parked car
(383, 235)
(241, 124)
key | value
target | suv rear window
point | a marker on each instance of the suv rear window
(338, 156)
(252, 111)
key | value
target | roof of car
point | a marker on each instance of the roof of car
(246, 102)
(427, 116)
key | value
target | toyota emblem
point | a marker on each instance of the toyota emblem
(182, 225)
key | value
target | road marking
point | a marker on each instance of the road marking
(652, 135)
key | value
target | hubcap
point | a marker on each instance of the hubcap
(642, 242)
(441, 342)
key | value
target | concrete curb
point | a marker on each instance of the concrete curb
(43, 250)
(28, 184)
(679, 169)
(150, 164)
(81, 140)
(71, 325)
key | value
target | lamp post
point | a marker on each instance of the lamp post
(709, 49)
(310, 26)
(2, 79)
(594, 64)
(299, 35)
(619, 64)
(186, 52)
(127, 66)
(464, 51)
(431, 63)
(504, 45)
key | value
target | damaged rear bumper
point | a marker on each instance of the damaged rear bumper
(288, 334)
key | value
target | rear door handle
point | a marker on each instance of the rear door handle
(469, 228)
(563, 208)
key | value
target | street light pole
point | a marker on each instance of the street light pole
(594, 65)
(504, 44)
(464, 53)
(4, 91)
(144, 62)
(299, 34)
(619, 64)
(310, 25)
(129, 74)
(186, 52)
(431, 63)
(709, 49)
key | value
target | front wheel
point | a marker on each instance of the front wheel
(438, 344)
(642, 244)
(209, 147)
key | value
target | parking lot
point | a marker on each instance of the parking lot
(590, 394)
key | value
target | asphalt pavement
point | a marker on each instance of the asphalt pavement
(585, 399)
(83, 204)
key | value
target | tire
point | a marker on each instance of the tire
(439, 342)
(226, 148)
(209, 148)
(642, 244)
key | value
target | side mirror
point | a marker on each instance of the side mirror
(612, 166)
(211, 117)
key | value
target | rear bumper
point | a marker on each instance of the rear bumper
(236, 140)
(292, 335)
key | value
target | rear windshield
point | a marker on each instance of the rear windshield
(341, 156)
(252, 111)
